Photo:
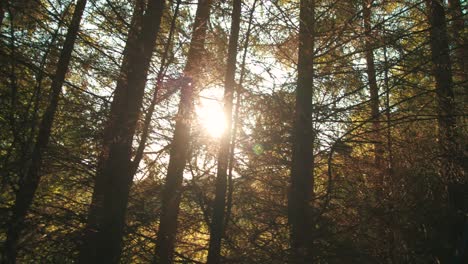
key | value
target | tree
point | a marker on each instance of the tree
(30, 180)
(302, 167)
(300, 183)
(179, 147)
(451, 155)
(106, 217)
(217, 221)
(373, 87)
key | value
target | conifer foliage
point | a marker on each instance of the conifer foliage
(237, 131)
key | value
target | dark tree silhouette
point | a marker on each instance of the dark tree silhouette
(451, 154)
(106, 218)
(302, 168)
(373, 88)
(217, 221)
(30, 180)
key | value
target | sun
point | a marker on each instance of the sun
(211, 116)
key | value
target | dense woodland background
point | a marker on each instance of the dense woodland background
(345, 135)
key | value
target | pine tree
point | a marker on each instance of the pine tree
(30, 180)
(302, 167)
(217, 221)
(114, 177)
(451, 155)
(180, 143)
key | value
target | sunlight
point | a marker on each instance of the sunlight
(211, 117)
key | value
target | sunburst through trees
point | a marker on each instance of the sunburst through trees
(234, 131)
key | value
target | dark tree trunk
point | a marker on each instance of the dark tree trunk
(448, 135)
(373, 88)
(180, 143)
(450, 152)
(395, 240)
(235, 120)
(29, 182)
(217, 221)
(302, 167)
(106, 217)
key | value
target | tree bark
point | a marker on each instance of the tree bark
(302, 167)
(373, 87)
(29, 182)
(179, 148)
(451, 154)
(106, 216)
(217, 221)
(450, 150)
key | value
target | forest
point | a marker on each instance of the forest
(233, 131)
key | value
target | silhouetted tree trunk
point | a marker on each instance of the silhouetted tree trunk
(180, 143)
(235, 120)
(30, 180)
(444, 93)
(217, 221)
(451, 154)
(302, 167)
(373, 88)
(395, 241)
(106, 218)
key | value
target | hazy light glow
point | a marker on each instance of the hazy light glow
(211, 117)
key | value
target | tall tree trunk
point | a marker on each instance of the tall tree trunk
(373, 88)
(450, 152)
(217, 221)
(29, 182)
(395, 240)
(235, 120)
(302, 167)
(179, 148)
(106, 218)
